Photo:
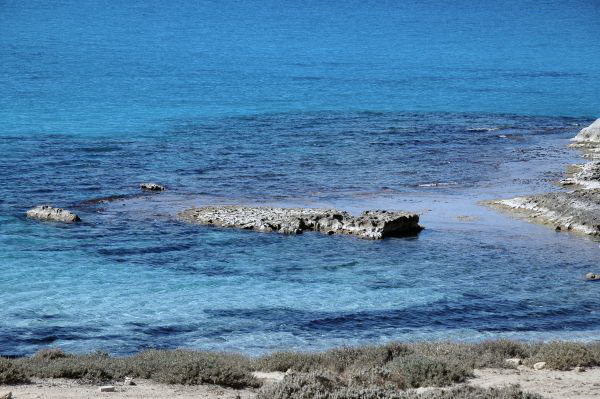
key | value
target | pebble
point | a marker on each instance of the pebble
(539, 366)
(514, 361)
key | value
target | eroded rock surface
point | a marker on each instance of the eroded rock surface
(49, 213)
(375, 224)
(577, 210)
(590, 134)
(586, 175)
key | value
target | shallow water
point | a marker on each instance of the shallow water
(131, 276)
(356, 106)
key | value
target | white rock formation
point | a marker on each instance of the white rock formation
(48, 213)
(590, 134)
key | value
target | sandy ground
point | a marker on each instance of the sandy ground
(550, 384)
(68, 389)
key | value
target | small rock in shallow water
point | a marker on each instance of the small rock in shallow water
(6, 396)
(107, 388)
(48, 213)
(152, 187)
(592, 276)
(539, 365)
(579, 369)
(129, 381)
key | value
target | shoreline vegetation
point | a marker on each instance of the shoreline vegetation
(389, 371)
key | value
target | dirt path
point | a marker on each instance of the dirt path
(145, 389)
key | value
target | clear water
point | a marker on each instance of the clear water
(400, 105)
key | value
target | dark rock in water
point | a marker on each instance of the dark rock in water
(592, 276)
(48, 213)
(152, 187)
(370, 224)
(103, 200)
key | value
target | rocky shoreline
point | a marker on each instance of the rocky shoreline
(374, 224)
(577, 210)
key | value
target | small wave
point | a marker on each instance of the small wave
(440, 184)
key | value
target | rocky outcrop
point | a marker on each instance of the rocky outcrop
(590, 134)
(48, 213)
(585, 176)
(152, 187)
(577, 210)
(375, 224)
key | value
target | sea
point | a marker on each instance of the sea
(424, 106)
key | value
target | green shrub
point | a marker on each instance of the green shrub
(93, 368)
(10, 373)
(284, 361)
(372, 370)
(566, 355)
(415, 371)
(327, 386)
(51, 354)
(474, 355)
(166, 366)
(338, 359)
(192, 368)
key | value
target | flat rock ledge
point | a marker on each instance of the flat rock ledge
(577, 211)
(376, 224)
(51, 214)
(584, 176)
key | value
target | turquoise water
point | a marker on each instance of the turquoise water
(403, 105)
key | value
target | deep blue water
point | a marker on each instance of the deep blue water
(403, 105)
